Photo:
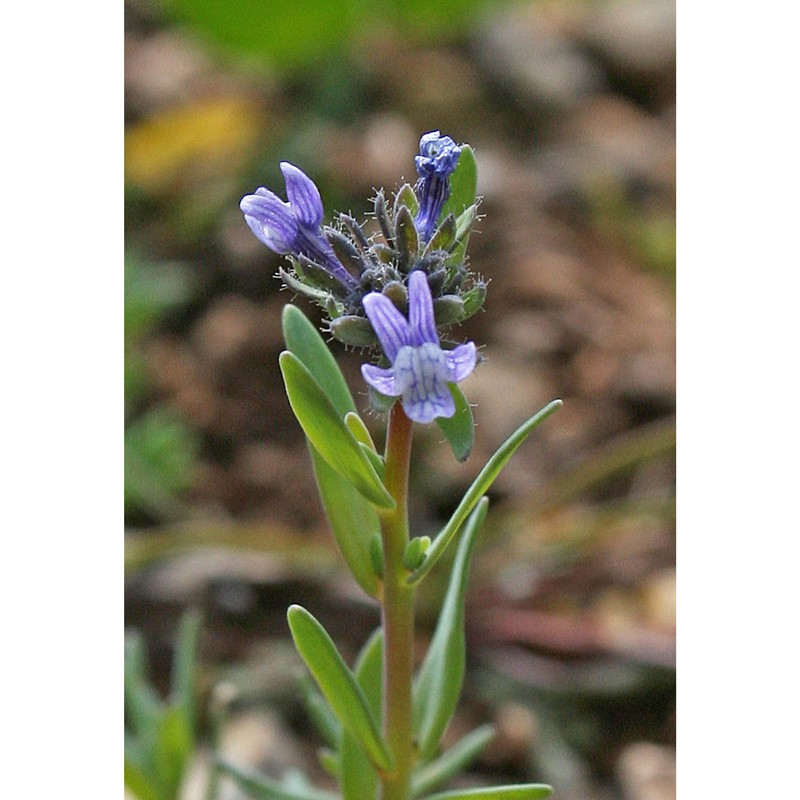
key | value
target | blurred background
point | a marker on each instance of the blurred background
(570, 107)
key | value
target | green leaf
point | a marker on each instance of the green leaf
(183, 685)
(480, 486)
(354, 522)
(452, 761)
(359, 779)
(338, 684)
(439, 683)
(305, 341)
(262, 788)
(460, 428)
(325, 429)
(525, 791)
(463, 184)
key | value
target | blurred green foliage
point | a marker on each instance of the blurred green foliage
(292, 36)
(160, 448)
(160, 736)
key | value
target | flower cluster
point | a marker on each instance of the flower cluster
(396, 288)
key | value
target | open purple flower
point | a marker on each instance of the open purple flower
(293, 228)
(420, 369)
(435, 164)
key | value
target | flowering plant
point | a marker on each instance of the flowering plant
(397, 293)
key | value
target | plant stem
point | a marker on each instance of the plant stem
(397, 612)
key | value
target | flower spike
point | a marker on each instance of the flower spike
(421, 370)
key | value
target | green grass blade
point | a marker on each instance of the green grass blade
(442, 673)
(338, 684)
(173, 750)
(480, 486)
(262, 788)
(459, 429)
(452, 761)
(326, 430)
(138, 784)
(526, 791)
(183, 689)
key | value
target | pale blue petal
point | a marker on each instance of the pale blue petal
(420, 310)
(428, 407)
(380, 379)
(303, 195)
(390, 326)
(270, 219)
(460, 361)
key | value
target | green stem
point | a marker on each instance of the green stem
(397, 612)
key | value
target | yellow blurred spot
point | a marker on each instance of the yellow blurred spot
(194, 142)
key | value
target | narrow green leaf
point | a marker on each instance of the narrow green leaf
(459, 430)
(326, 430)
(354, 522)
(305, 341)
(261, 787)
(524, 791)
(338, 684)
(451, 762)
(359, 780)
(439, 683)
(183, 689)
(463, 184)
(480, 486)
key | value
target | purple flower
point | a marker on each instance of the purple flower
(420, 369)
(293, 228)
(435, 164)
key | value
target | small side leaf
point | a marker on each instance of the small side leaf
(451, 762)
(262, 788)
(338, 684)
(524, 791)
(442, 673)
(480, 486)
(325, 429)
(359, 780)
(459, 430)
